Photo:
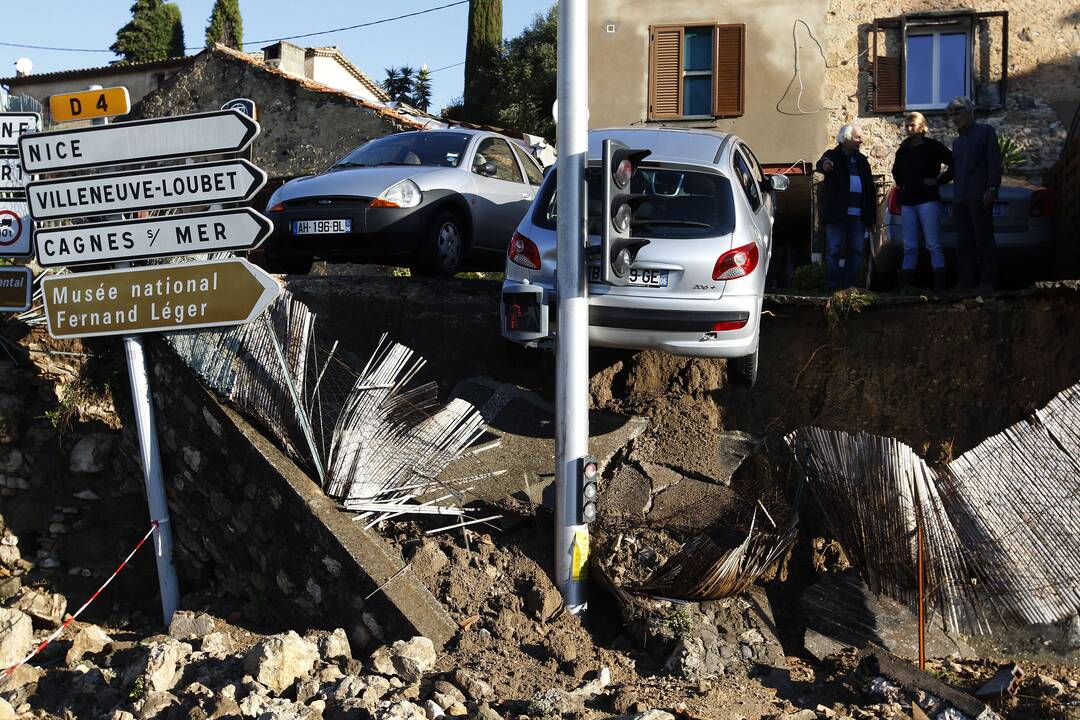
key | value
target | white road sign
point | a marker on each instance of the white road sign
(212, 133)
(14, 124)
(16, 228)
(11, 174)
(215, 231)
(168, 187)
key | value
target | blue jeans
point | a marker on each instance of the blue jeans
(928, 217)
(846, 236)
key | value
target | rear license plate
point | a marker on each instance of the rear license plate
(637, 278)
(1000, 209)
(322, 227)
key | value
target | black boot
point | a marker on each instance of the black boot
(904, 279)
(939, 280)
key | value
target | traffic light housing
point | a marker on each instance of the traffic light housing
(589, 474)
(617, 248)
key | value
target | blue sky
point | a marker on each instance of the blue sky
(436, 39)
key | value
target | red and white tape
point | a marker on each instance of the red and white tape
(59, 630)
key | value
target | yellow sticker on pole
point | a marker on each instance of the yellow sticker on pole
(89, 104)
(579, 561)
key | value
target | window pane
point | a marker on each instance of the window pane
(953, 66)
(497, 152)
(697, 95)
(698, 53)
(920, 70)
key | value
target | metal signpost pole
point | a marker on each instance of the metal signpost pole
(572, 340)
(151, 459)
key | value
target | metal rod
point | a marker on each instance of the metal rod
(922, 595)
(463, 524)
(572, 340)
(301, 414)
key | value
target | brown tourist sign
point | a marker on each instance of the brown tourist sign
(157, 298)
(15, 284)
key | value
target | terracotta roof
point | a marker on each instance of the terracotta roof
(314, 86)
(356, 72)
(104, 70)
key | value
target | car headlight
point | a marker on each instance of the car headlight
(404, 194)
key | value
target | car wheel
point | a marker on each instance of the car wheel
(742, 371)
(444, 246)
(289, 266)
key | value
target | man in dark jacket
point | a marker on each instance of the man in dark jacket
(976, 178)
(849, 207)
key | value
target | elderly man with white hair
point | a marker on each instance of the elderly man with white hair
(976, 178)
(849, 206)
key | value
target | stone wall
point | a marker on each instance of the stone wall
(1043, 85)
(305, 126)
(248, 523)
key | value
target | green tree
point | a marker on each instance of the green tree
(225, 25)
(421, 91)
(483, 51)
(525, 87)
(155, 32)
(399, 83)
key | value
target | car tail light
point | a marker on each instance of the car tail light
(523, 251)
(1042, 203)
(279, 207)
(736, 263)
(730, 325)
(894, 201)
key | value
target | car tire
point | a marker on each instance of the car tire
(742, 371)
(443, 249)
(289, 266)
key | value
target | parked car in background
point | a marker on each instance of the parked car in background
(696, 288)
(424, 199)
(1023, 231)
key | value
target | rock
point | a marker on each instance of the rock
(88, 640)
(543, 602)
(800, 715)
(122, 715)
(653, 715)
(91, 453)
(1070, 636)
(154, 703)
(484, 712)
(555, 701)
(334, 646)
(401, 710)
(45, 607)
(444, 688)
(279, 660)
(623, 701)
(433, 710)
(6, 711)
(408, 660)
(16, 636)
(188, 625)
(428, 560)
(826, 712)
(457, 710)
(1049, 685)
(474, 688)
(23, 676)
(160, 666)
(10, 587)
(218, 644)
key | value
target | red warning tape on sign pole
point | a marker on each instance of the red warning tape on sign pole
(59, 630)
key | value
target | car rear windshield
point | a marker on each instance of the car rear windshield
(442, 149)
(678, 204)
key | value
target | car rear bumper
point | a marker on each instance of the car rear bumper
(1029, 250)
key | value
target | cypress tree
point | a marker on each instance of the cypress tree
(225, 25)
(482, 54)
(155, 32)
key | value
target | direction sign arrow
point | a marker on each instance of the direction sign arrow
(237, 229)
(157, 298)
(221, 131)
(175, 186)
(14, 124)
(15, 286)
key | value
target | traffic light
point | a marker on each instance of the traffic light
(617, 248)
(589, 473)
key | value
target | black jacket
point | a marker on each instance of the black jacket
(915, 163)
(834, 204)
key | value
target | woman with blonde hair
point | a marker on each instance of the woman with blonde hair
(917, 171)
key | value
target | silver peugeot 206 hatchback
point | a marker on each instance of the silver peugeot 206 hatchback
(696, 287)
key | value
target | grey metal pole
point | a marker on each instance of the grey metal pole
(150, 454)
(572, 339)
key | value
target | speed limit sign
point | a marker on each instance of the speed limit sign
(16, 228)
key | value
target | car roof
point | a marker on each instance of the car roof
(690, 145)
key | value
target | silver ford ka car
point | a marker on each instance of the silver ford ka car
(696, 288)
(424, 199)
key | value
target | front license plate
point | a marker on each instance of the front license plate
(637, 278)
(322, 227)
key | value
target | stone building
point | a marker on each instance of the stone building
(785, 76)
(305, 125)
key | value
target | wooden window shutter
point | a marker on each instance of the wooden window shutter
(889, 92)
(665, 72)
(729, 70)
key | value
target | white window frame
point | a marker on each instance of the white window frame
(935, 63)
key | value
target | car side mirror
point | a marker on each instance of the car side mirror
(779, 183)
(488, 169)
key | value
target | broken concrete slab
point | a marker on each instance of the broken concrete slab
(521, 442)
(841, 612)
